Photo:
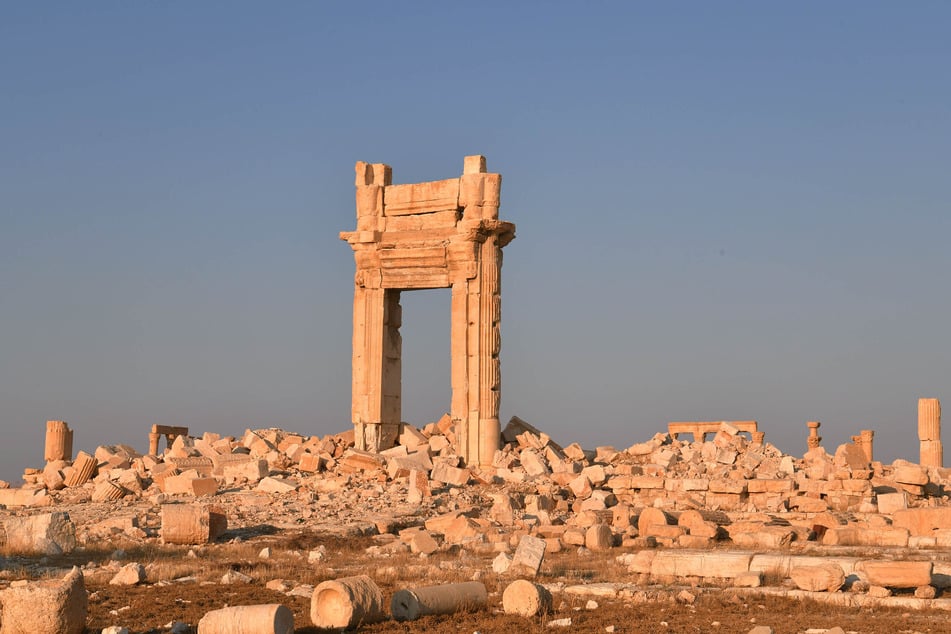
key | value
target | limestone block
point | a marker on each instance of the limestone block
(806, 504)
(924, 521)
(450, 475)
(859, 536)
(751, 579)
(422, 542)
(129, 575)
(725, 565)
(503, 509)
(527, 599)
(581, 486)
(696, 525)
(190, 483)
(276, 485)
(410, 604)
(533, 463)
(248, 619)
(529, 555)
(52, 606)
(736, 487)
(822, 578)
(24, 497)
(850, 455)
(192, 523)
(48, 534)
(764, 537)
(346, 603)
(694, 541)
(925, 592)
(599, 537)
(911, 474)
(771, 486)
(239, 467)
(889, 503)
(418, 488)
(897, 574)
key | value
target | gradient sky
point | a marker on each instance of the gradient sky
(724, 211)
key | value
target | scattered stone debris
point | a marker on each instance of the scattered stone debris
(693, 511)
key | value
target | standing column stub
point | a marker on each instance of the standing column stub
(59, 441)
(929, 432)
(437, 234)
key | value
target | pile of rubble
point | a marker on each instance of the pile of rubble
(667, 491)
(712, 507)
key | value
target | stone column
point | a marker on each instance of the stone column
(59, 441)
(490, 341)
(759, 437)
(929, 432)
(154, 439)
(813, 440)
(867, 435)
(377, 377)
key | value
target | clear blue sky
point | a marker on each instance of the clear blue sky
(724, 211)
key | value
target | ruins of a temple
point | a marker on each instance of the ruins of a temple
(438, 234)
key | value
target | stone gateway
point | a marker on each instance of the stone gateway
(439, 234)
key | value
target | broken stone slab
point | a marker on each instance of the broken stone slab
(248, 619)
(346, 603)
(821, 578)
(529, 556)
(412, 603)
(276, 485)
(897, 574)
(192, 523)
(47, 534)
(52, 606)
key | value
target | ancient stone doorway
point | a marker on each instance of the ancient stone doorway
(438, 234)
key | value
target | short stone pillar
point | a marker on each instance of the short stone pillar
(812, 442)
(929, 432)
(867, 435)
(759, 437)
(59, 441)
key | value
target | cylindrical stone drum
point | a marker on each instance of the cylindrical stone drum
(248, 619)
(525, 598)
(410, 604)
(59, 441)
(346, 603)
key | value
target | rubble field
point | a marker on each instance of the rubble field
(666, 535)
